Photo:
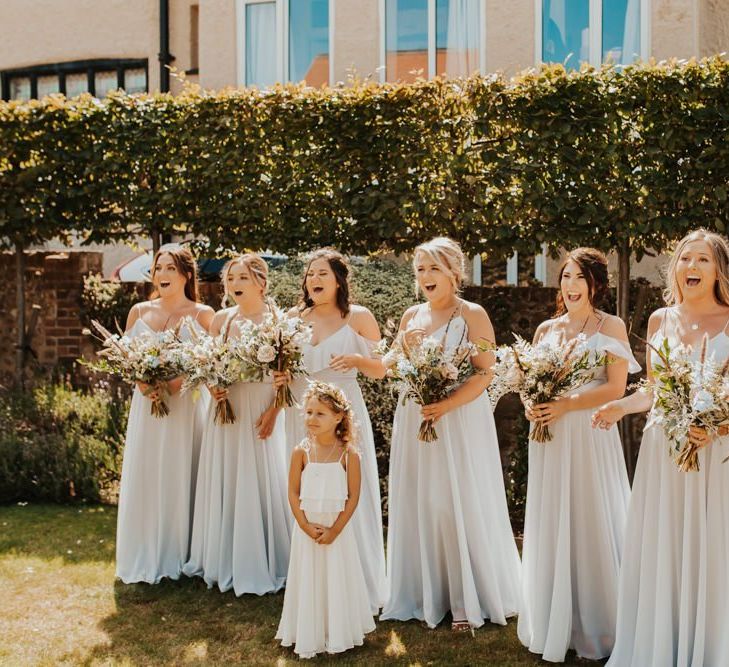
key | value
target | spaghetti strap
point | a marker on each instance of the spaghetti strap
(725, 326)
(602, 321)
(226, 325)
(665, 317)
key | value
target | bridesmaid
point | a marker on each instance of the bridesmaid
(241, 529)
(160, 454)
(449, 545)
(343, 337)
(578, 491)
(673, 600)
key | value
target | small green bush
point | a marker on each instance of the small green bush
(60, 444)
(106, 301)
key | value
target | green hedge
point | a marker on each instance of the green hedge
(589, 157)
(60, 444)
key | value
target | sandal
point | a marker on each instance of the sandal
(461, 626)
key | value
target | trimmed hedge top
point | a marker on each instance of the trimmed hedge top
(564, 158)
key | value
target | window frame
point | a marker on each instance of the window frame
(595, 29)
(432, 35)
(61, 70)
(282, 39)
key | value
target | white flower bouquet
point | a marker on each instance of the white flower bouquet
(275, 344)
(688, 392)
(542, 372)
(214, 362)
(152, 358)
(425, 371)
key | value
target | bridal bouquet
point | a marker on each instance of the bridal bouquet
(542, 372)
(214, 362)
(426, 371)
(688, 392)
(152, 358)
(275, 344)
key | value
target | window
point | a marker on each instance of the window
(593, 31)
(284, 40)
(77, 84)
(432, 37)
(309, 41)
(20, 88)
(98, 77)
(104, 83)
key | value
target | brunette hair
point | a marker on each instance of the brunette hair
(447, 255)
(185, 264)
(257, 267)
(339, 266)
(719, 248)
(594, 267)
(334, 398)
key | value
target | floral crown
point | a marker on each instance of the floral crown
(334, 394)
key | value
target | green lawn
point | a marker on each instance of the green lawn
(60, 604)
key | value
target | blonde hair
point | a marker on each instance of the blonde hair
(256, 266)
(334, 398)
(719, 249)
(447, 255)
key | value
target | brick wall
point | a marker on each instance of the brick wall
(54, 281)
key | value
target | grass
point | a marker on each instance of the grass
(61, 605)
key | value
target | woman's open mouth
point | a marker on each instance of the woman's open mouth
(573, 297)
(164, 283)
(430, 288)
(238, 292)
(692, 281)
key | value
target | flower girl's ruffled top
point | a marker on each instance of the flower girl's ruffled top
(323, 485)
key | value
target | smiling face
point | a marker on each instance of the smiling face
(574, 286)
(321, 283)
(696, 270)
(321, 421)
(167, 277)
(431, 279)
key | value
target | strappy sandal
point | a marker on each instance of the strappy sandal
(461, 626)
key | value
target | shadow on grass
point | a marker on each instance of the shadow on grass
(75, 533)
(184, 622)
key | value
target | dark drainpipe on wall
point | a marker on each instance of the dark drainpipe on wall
(165, 59)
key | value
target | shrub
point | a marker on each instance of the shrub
(59, 444)
(106, 301)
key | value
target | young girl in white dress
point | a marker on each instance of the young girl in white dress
(673, 601)
(326, 605)
(578, 490)
(241, 529)
(344, 335)
(450, 546)
(160, 454)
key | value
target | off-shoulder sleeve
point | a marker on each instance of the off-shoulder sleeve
(618, 348)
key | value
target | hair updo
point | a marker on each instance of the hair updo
(185, 265)
(257, 267)
(447, 255)
(340, 268)
(594, 267)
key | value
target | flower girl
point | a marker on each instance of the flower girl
(326, 606)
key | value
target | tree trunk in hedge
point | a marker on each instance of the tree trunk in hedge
(20, 320)
(623, 291)
(623, 308)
